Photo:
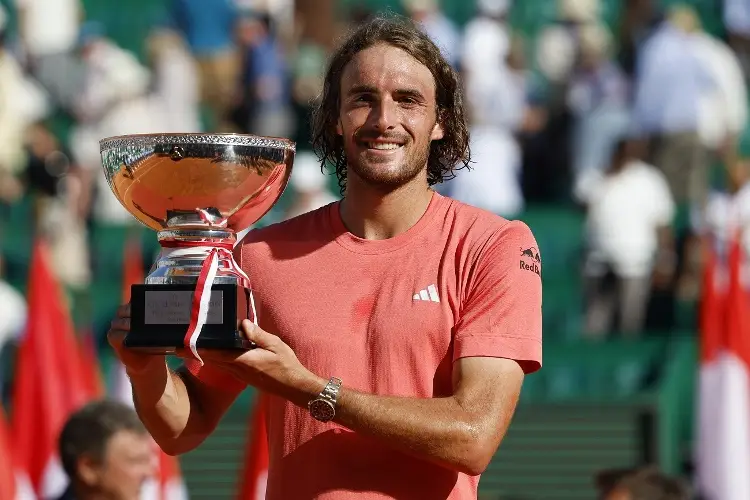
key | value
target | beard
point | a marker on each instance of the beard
(388, 173)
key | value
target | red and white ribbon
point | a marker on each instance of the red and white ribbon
(215, 255)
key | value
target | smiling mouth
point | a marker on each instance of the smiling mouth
(383, 146)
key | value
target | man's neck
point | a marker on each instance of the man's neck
(373, 214)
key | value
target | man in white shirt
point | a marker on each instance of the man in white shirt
(630, 212)
(49, 32)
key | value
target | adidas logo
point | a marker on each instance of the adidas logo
(429, 294)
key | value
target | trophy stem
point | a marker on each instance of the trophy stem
(184, 250)
(204, 236)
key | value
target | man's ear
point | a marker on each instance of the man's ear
(437, 131)
(88, 470)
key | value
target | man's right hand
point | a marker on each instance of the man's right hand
(135, 362)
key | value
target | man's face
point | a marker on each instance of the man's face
(388, 116)
(128, 463)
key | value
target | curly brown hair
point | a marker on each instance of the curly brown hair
(447, 154)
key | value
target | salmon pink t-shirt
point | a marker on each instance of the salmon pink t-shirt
(388, 317)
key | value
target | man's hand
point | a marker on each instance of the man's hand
(135, 362)
(271, 367)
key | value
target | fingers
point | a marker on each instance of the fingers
(257, 335)
(123, 311)
(122, 324)
(116, 338)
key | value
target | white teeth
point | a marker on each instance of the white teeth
(383, 145)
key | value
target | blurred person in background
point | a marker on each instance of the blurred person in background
(486, 38)
(48, 33)
(106, 453)
(310, 186)
(723, 108)
(557, 46)
(22, 103)
(728, 210)
(59, 188)
(547, 152)
(598, 98)
(642, 483)
(440, 28)
(114, 100)
(208, 27)
(496, 109)
(737, 23)
(175, 81)
(265, 99)
(637, 21)
(671, 81)
(630, 247)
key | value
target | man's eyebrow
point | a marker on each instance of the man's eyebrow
(362, 89)
(408, 92)
(369, 89)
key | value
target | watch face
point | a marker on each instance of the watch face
(322, 410)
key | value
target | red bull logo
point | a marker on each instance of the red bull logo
(531, 254)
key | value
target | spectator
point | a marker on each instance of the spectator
(22, 102)
(438, 27)
(496, 108)
(598, 98)
(728, 210)
(175, 80)
(645, 483)
(558, 43)
(264, 81)
(208, 26)
(49, 31)
(106, 453)
(486, 38)
(723, 108)
(630, 212)
(671, 81)
(114, 100)
(61, 203)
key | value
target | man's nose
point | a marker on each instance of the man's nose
(385, 114)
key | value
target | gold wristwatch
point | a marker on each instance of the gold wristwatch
(323, 408)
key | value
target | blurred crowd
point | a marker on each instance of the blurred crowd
(638, 122)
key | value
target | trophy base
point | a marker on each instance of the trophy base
(160, 316)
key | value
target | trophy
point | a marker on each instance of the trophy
(196, 191)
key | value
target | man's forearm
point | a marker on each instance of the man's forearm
(436, 429)
(163, 404)
(440, 430)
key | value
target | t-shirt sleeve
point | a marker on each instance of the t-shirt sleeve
(214, 378)
(501, 315)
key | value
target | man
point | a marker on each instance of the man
(643, 483)
(106, 453)
(396, 325)
(630, 212)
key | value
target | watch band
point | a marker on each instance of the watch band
(331, 390)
